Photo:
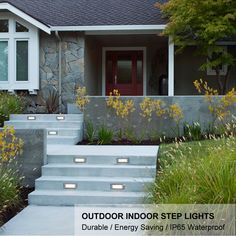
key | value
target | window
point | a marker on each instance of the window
(19, 54)
(223, 68)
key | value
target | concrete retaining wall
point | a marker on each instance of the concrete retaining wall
(33, 156)
(195, 109)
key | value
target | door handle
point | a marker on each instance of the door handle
(115, 79)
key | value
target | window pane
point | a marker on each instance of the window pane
(3, 60)
(124, 70)
(140, 71)
(3, 26)
(22, 61)
(21, 28)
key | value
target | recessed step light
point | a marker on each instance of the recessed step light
(117, 186)
(70, 186)
(31, 117)
(80, 160)
(61, 118)
(52, 132)
(122, 160)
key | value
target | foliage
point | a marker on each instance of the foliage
(105, 135)
(122, 109)
(175, 112)
(10, 145)
(149, 106)
(193, 131)
(82, 99)
(90, 132)
(50, 100)
(10, 104)
(9, 185)
(204, 24)
(197, 172)
(219, 107)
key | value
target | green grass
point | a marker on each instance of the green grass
(197, 172)
(9, 190)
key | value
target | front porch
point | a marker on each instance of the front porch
(159, 71)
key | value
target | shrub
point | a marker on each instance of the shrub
(90, 132)
(81, 98)
(193, 131)
(105, 135)
(10, 147)
(10, 192)
(198, 172)
(10, 104)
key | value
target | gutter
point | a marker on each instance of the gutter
(59, 69)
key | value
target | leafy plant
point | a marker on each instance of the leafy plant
(10, 104)
(90, 132)
(50, 100)
(105, 135)
(193, 131)
(81, 98)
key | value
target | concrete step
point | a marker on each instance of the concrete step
(70, 198)
(101, 159)
(99, 170)
(64, 139)
(54, 132)
(93, 183)
(44, 124)
(46, 117)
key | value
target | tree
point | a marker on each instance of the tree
(203, 23)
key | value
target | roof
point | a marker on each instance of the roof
(91, 12)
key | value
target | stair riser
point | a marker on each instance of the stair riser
(92, 186)
(73, 200)
(61, 132)
(43, 117)
(64, 141)
(109, 160)
(105, 172)
(45, 125)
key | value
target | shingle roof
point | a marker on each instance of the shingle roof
(91, 12)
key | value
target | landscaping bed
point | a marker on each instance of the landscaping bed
(201, 172)
(9, 212)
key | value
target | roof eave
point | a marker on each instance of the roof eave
(26, 17)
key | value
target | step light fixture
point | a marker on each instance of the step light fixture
(80, 160)
(122, 160)
(117, 186)
(70, 186)
(61, 118)
(31, 117)
(52, 132)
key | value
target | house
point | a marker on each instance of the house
(98, 44)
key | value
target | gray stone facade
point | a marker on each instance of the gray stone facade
(72, 68)
(195, 109)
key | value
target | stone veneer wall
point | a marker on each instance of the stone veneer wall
(72, 64)
(195, 109)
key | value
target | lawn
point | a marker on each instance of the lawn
(201, 172)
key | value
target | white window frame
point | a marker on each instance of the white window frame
(32, 85)
(224, 70)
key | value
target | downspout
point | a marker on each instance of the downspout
(59, 70)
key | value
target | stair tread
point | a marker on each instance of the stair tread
(103, 150)
(87, 193)
(62, 137)
(95, 179)
(79, 166)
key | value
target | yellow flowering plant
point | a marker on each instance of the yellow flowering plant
(10, 145)
(82, 99)
(122, 109)
(219, 107)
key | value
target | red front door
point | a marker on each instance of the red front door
(124, 71)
